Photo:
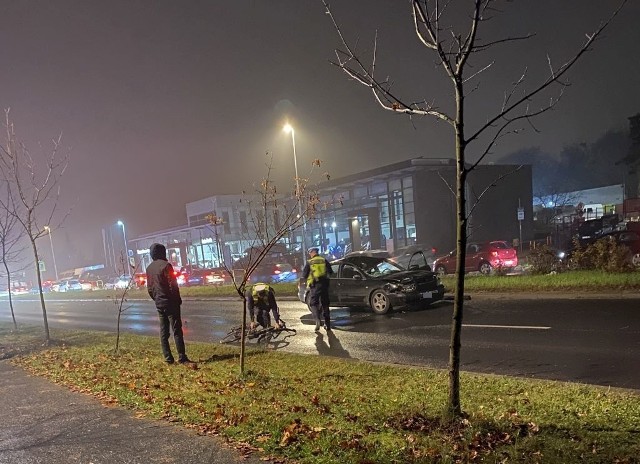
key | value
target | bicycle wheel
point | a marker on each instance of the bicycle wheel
(265, 335)
(232, 336)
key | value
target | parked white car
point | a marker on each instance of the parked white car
(120, 283)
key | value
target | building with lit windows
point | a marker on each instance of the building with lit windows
(406, 203)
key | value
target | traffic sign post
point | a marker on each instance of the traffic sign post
(520, 219)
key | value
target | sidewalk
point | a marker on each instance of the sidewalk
(46, 423)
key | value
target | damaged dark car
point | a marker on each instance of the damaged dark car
(362, 280)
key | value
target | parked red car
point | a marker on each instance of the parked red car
(482, 257)
(140, 279)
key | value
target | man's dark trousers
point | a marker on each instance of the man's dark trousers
(319, 302)
(170, 320)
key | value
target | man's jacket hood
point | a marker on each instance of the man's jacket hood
(158, 251)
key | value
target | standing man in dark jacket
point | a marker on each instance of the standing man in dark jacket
(163, 288)
(317, 272)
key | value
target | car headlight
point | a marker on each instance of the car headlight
(393, 287)
(409, 287)
(402, 288)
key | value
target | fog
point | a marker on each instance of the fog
(161, 103)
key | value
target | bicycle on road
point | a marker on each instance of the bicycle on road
(262, 335)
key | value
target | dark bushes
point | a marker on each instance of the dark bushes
(544, 260)
(603, 255)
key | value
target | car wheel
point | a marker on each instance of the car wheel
(441, 270)
(635, 259)
(379, 301)
(484, 268)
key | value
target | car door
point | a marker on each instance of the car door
(418, 261)
(351, 285)
(631, 240)
(472, 258)
(449, 261)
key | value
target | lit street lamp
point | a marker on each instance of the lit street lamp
(53, 255)
(288, 128)
(126, 250)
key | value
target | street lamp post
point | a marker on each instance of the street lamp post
(126, 251)
(53, 255)
(288, 128)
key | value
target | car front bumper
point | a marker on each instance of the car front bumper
(402, 299)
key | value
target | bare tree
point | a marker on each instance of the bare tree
(432, 22)
(120, 298)
(262, 230)
(10, 249)
(554, 206)
(34, 189)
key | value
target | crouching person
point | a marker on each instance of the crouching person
(261, 301)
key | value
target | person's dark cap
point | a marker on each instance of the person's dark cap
(316, 249)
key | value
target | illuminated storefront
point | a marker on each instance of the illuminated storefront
(390, 207)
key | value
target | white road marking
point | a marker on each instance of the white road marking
(487, 326)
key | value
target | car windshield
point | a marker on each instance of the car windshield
(375, 267)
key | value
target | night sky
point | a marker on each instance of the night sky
(166, 102)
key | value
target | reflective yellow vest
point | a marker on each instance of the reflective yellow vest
(317, 269)
(260, 291)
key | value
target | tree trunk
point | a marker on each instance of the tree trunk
(47, 338)
(118, 330)
(454, 407)
(13, 316)
(243, 336)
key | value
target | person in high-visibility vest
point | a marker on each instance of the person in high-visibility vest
(262, 298)
(317, 272)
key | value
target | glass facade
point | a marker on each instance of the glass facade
(373, 214)
(371, 210)
(378, 214)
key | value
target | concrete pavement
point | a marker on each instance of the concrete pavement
(46, 423)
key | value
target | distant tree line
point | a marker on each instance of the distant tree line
(578, 166)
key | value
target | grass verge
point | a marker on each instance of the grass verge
(582, 281)
(324, 410)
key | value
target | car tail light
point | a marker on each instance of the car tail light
(494, 254)
(294, 270)
(277, 271)
(434, 250)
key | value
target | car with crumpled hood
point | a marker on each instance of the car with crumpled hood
(378, 283)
